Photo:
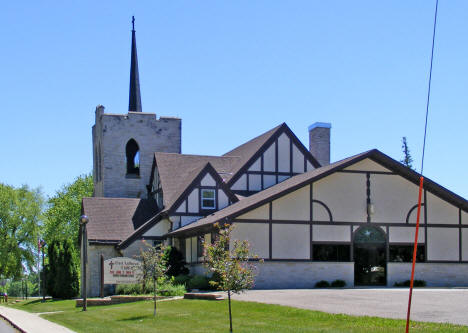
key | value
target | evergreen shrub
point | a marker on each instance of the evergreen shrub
(322, 284)
(338, 284)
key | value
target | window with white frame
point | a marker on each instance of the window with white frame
(208, 199)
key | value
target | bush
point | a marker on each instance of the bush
(182, 279)
(338, 284)
(417, 283)
(171, 290)
(199, 282)
(129, 289)
(175, 262)
(322, 284)
(62, 270)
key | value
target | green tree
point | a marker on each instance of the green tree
(62, 271)
(63, 211)
(154, 266)
(407, 158)
(231, 264)
(20, 215)
(175, 262)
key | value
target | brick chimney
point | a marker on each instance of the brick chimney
(319, 142)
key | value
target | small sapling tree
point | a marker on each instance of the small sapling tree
(153, 265)
(231, 264)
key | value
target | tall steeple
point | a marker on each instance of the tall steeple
(134, 103)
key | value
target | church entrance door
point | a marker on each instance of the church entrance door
(370, 264)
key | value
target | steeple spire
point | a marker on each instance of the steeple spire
(134, 103)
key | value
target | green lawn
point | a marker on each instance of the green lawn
(211, 316)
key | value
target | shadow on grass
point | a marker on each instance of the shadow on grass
(48, 300)
(136, 318)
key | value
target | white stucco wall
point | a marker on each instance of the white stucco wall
(464, 244)
(290, 241)
(261, 212)
(269, 158)
(181, 208)
(208, 181)
(283, 153)
(193, 250)
(298, 160)
(440, 211)
(184, 220)
(223, 200)
(193, 201)
(257, 234)
(337, 233)
(240, 184)
(309, 165)
(269, 180)
(392, 197)
(442, 244)
(367, 165)
(256, 166)
(293, 206)
(319, 212)
(159, 229)
(435, 274)
(345, 196)
(255, 182)
(464, 217)
(188, 250)
(405, 234)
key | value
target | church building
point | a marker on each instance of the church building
(309, 219)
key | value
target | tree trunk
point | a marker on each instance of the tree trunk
(154, 292)
(230, 316)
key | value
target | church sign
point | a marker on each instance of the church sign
(121, 270)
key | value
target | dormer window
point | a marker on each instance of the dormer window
(133, 158)
(208, 199)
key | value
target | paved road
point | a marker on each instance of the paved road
(5, 327)
(435, 305)
(31, 322)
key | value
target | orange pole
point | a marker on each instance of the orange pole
(421, 181)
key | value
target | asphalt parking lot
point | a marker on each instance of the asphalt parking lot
(433, 305)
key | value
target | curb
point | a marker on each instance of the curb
(12, 324)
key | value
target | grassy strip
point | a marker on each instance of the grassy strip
(211, 316)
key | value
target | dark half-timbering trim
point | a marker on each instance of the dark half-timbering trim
(324, 206)
(460, 236)
(411, 211)
(274, 138)
(368, 196)
(270, 231)
(103, 242)
(320, 173)
(370, 172)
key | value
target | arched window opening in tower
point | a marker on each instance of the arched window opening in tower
(133, 158)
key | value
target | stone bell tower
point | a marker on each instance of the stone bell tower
(124, 144)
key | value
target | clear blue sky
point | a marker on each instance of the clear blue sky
(232, 70)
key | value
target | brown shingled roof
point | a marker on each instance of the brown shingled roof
(300, 180)
(177, 171)
(114, 219)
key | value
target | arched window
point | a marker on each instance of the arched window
(133, 158)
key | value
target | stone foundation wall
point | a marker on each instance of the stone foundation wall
(295, 275)
(435, 274)
(93, 282)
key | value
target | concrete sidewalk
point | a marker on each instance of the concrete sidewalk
(31, 322)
